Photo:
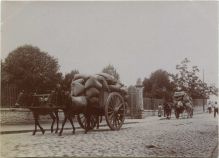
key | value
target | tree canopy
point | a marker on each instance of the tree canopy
(68, 79)
(158, 85)
(30, 69)
(187, 79)
(112, 71)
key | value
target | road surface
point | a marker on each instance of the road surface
(151, 137)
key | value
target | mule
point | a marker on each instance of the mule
(167, 110)
(33, 102)
(70, 110)
(185, 107)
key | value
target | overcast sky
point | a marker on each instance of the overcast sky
(136, 37)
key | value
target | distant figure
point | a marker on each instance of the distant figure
(215, 109)
(209, 107)
(159, 110)
(167, 110)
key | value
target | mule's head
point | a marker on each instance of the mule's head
(58, 98)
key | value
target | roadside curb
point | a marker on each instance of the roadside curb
(26, 131)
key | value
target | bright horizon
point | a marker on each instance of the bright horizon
(137, 38)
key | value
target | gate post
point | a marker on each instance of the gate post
(136, 101)
(139, 87)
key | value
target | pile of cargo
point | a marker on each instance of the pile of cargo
(182, 99)
(86, 89)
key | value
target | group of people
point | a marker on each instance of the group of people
(166, 110)
(214, 106)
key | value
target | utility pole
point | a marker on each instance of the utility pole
(203, 101)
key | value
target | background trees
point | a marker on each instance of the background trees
(161, 84)
(111, 70)
(158, 85)
(187, 78)
(30, 69)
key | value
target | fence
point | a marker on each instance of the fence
(152, 103)
(9, 95)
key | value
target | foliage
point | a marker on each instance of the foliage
(112, 71)
(30, 69)
(187, 79)
(158, 85)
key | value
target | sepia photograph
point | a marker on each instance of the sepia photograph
(109, 79)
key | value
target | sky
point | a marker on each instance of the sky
(137, 38)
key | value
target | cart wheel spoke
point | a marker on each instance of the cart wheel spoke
(111, 116)
(110, 108)
(118, 121)
(110, 112)
(114, 122)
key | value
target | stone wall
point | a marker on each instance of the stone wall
(22, 116)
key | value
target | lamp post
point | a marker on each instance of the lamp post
(203, 99)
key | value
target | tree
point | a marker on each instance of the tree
(158, 85)
(68, 79)
(30, 69)
(111, 70)
(187, 79)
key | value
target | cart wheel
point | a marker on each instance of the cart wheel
(82, 120)
(115, 111)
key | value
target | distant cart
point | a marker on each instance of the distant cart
(182, 101)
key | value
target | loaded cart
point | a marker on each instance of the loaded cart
(110, 102)
(182, 101)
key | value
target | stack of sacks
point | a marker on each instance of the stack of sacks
(85, 89)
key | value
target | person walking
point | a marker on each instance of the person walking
(159, 110)
(209, 107)
(215, 109)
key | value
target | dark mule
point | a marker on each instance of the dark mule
(167, 110)
(180, 109)
(71, 110)
(34, 103)
(63, 98)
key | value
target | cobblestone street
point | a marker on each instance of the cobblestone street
(151, 137)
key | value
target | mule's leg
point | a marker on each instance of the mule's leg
(35, 123)
(53, 120)
(192, 113)
(41, 128)
(57, 121)
(188, 112)
(72, 124)
(87, 123)
(170, 112)
(63, 124)
(98, 121)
